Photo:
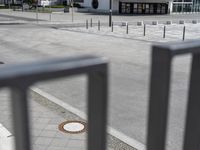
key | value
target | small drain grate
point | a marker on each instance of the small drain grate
(72, 127)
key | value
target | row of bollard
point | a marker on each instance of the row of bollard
(127, 28)
(86, 25)
(164, 33)
(91, 24)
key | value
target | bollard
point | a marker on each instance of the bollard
(144, 33)
(50, 16)
(37, 14)
(194, 21)
(181, 22)
(86, 24)
(99, 25)
(127, 28)
(183, 33)
(112, 27)
(91, 22)
(168, 22)
(154, 22)
(140, 23)
(164, 30)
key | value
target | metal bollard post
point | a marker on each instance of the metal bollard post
(50, 16)
(86, 24)
(112, 27)
(164, 30)
(50, 12)
(37, 14)
(144, 33)
(99, 25)
(91, 22)
(127, 28)
(183, 33)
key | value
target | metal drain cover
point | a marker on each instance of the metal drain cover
(72, 127)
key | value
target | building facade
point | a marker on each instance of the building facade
(147, 6)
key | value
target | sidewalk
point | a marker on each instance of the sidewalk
(45, 133)
(45, 118)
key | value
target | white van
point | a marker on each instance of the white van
(44, 3)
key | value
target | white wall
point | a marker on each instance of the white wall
(115, 5)
(87, 3)
(103, 4)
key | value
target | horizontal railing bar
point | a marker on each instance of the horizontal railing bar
(180, 47)
(49, 69)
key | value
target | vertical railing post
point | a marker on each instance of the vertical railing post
(192, 129)
(144, 32)
(97, 109)
(158, 103)
(21, 117)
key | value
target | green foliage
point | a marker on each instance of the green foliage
(77, 5)
(29, 2)
(2, 7)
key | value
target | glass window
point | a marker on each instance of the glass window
(135, 5)
(151, 9)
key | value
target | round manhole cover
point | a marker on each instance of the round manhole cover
(72, 127)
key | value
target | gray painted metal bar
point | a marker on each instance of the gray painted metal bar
(49, 69)
(162, 56)
(181, 47)
(192, 132)
(97, 109)
(159, 93)
(20, 77)
(21, 117)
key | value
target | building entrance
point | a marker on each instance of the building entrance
(143, 8)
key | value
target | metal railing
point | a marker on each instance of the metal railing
(159, 95)
(20, 77)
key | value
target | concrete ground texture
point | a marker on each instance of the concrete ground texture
(24, 39)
